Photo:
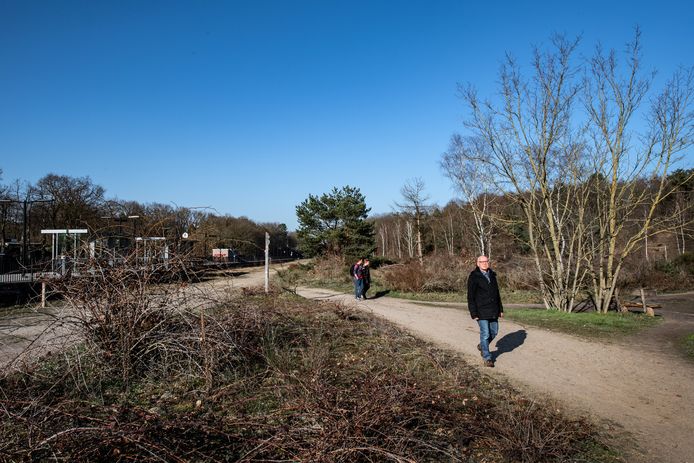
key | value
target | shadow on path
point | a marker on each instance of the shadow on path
(509, 342)
(380, 294)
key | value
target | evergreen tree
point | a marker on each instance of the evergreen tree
(335, 223)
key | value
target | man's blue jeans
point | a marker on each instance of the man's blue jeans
(488, 331)
(358, 287)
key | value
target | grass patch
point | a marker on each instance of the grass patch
(585, 324)
(282, 378)
(687, 344)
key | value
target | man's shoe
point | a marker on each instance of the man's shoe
(489, 363)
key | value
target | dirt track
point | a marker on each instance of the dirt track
(647, 393)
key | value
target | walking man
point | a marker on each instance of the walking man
(484, 303)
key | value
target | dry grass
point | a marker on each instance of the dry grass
(437, 274)
(267, 378)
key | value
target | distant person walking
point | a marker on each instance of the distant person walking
(366, 277)
(484, 303)
(357, 272)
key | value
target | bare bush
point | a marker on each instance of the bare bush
(529, 432)
(438, 273)
(408, 277)
(518, 274)
(332, 268)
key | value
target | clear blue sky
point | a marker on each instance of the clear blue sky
(250, 106)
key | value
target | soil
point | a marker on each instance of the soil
(640, 389)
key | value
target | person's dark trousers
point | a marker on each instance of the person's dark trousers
(366, 287)
(488, 331)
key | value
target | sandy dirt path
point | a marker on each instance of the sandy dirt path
(648, 394)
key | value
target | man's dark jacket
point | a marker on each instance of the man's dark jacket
(483, 298)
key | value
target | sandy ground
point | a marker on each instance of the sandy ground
(646, 393)
(643, 391)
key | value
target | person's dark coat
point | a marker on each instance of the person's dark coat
(483, 298)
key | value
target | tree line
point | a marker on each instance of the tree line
(64, 202)
(580, 164)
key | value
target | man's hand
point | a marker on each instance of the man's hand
(501, 315)
(477, 319)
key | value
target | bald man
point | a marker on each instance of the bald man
(484, 304)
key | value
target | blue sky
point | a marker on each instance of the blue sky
(249, 107)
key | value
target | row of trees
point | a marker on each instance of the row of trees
(59, 202)
(566, 145)
(562, 163)
(574, 165)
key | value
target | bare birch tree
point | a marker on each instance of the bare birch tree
(414, 204)
(622, 157)
(532, 151)
(410, 238)
(472, 179)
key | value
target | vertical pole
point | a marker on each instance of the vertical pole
(267, 262)
(24, 235)
(43, 294)
(648, 310)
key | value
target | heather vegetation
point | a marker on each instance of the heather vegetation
(161, 374)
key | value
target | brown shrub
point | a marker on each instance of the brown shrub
(517, 274)
(408, 277)
(438, 273)
(331, 268)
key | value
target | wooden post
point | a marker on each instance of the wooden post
(43, 294)
(267, 262)
(620, 307)
(647, 310)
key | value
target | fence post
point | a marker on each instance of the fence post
(267, 262)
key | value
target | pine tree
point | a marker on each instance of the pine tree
(335, 223)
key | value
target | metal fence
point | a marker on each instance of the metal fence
(7, 278)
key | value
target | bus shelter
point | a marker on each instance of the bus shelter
(66, 244)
